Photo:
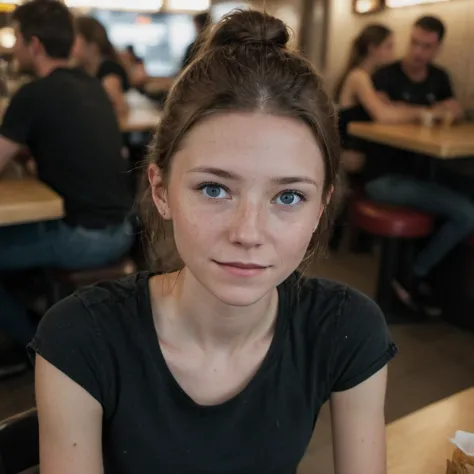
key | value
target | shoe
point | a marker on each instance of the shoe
(419, 298)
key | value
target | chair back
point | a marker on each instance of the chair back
(19, 442)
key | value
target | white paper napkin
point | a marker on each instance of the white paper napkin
(464, 441)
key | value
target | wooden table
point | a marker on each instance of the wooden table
(440, 142)
(419, 443)
(143, 114)
(140, 120)
(28, 200)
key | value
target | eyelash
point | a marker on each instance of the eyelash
(201, 186)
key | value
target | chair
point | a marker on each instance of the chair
(394, 225)
(19, 443)
(62, 281)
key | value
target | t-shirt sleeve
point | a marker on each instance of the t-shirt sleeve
(111, 68)
(19, 118)
(69, 338)
(362, 344)
(382, 80)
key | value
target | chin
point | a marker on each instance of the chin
(239, 296)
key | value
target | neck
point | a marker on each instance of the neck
(414, 72)
(47, 66)
(196, 315)
(92, 66)
(368, 66)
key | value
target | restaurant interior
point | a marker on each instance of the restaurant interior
(430, 393)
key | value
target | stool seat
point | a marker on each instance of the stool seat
(390, 221)
(89, 276)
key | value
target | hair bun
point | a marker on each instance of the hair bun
(249, 27)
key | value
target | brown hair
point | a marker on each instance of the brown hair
(370, 36)
(51, 22)
(244, 65)
(432, 24)
(94, 32)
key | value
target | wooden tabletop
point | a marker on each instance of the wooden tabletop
(143, 114)
(419, 443)
(441, 142)
(140, 120)
(28, 200)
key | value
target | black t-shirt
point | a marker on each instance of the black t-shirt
(109, 68)
(399, 87)
(327, 338)
(70, 127)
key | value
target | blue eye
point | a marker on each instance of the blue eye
(289, 198)
(214, 191)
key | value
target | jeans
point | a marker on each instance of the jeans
(456, 209)
(53, 244)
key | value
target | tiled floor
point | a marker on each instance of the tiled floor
(435, 361)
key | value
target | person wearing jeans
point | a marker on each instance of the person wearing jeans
(66, 121)
(53, 244)
(456, 209)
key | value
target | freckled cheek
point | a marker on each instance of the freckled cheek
(292, 239)
(198, 226)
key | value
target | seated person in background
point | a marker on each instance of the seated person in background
(201, 22)
(357, 98)
(136, 71)
(96, 54)
(414, 80)
(68, 123)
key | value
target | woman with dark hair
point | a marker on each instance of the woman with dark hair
(222, 364)
(94, 51)
(357, 97)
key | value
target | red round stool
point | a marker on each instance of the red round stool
(394, 225)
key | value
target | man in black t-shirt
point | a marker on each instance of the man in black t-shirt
(68, 124)
(416, 80)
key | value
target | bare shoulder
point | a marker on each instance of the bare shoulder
(358, 76)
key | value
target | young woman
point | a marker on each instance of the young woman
(223, 365)
(94, 51)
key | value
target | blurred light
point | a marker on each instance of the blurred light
(221, 9)
(366, 6)
(407, 3)
(136, 5)
(194, 5)
(7, 37)
(7, 7)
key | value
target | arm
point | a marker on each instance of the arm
(358, 425)
(447, 102)
(113, 87)
(376, 106)
(8, 149)
(451, 106)
(70, 424)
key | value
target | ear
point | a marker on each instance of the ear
(35, 47)
(159, 192)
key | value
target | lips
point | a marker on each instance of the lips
(241, 269)
(243, 266)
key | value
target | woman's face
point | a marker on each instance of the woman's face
(245, 196)
(384, 53)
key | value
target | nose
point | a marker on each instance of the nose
(247, 225)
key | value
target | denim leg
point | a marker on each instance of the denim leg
(53, 244)
(457, 209)
(21, 247)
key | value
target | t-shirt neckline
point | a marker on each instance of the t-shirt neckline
(172, 384)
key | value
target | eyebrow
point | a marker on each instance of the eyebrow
(287, 180)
